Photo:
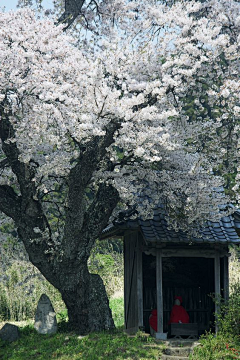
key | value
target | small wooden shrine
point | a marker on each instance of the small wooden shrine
(160, 263)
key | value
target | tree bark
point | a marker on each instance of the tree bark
(87, 303)
(64, 265)
(72, 11)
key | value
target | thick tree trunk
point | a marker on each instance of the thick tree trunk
(85, 297)
(83, 293)
(64, 265)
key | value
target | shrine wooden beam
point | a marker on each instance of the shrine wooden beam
(225, 278)
(211, 253)
(217, 288)
(139, 282)
(159, 273)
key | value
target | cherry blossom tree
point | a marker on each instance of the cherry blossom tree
(147, 107)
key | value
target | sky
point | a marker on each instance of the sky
(12, 4)
(9, 4)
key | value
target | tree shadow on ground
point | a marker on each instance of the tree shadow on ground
(69, 346)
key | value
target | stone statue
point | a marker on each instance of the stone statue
(45, 317)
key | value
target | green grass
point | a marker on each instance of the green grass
(220, 347)
(117, 307)
(65, 345)
(69, 346)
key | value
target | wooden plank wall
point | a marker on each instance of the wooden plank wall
(130, 281)
(195, 294)
(197, 302)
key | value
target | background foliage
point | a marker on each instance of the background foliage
(226, 344)
(21, 283)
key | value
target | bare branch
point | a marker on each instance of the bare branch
(96, 218)
(79, 178)
(10, 203)
(73, 9)
(4, 163)
(150, 101)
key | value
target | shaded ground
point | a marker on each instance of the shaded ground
(69, 346)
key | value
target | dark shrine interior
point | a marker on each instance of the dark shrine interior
(190, 278)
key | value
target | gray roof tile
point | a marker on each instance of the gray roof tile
(156, 229)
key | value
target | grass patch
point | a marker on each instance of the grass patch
(65, 345)
(117, 307)
(220, 347)
(69, 346)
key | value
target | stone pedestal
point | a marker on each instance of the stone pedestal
(161, 336)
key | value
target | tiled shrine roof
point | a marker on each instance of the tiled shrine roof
(156, 230)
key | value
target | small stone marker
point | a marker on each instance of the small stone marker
(45, 317)
(9, 332)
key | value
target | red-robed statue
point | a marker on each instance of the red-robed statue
(178, 313)
(153, 321)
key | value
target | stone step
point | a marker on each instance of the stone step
(181, 343)
(178, 351)
(170, 357)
